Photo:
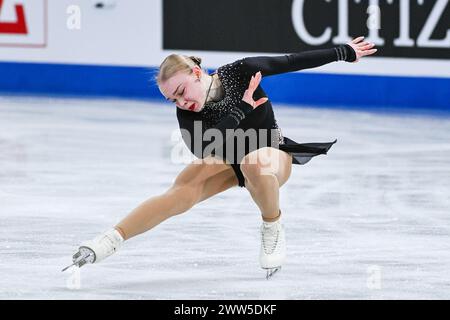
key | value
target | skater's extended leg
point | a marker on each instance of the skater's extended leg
(197, 182)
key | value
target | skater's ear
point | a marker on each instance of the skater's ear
(197, 71)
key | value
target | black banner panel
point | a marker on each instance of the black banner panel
(399, 28)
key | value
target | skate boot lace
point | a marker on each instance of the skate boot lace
(270, 238)
(103, 245)
(108, 244)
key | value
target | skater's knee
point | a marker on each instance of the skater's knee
(257, 163)
(249, 171)
(252, 171)
(266, 162)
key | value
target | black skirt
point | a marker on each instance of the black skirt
(301, 154)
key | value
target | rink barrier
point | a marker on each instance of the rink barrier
(299, 88)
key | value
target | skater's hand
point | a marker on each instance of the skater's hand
(248, 94)
(362, 49)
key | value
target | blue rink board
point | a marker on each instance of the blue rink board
(299, 88)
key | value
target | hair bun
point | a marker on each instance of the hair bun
(196, 60)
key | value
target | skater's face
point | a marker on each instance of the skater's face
(185, 90)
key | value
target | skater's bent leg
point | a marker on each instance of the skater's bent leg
(187, 190)
(265, 171)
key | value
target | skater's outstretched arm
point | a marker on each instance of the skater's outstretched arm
(350, 52)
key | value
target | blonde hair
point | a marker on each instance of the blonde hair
(175, 63)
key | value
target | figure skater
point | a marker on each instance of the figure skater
(229, 99)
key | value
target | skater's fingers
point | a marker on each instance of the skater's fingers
(261, 101)
(368, 52)
(362, 44)
(253, 85)
(366, 46)
(254, 81)
(356, 40)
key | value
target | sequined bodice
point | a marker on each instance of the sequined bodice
(234, 83)
(234, 86)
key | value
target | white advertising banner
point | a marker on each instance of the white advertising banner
(23, 23)
(132, 33)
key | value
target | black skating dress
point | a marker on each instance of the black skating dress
(231, 113)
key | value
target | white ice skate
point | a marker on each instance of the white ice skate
(97, 249)
(273, 247)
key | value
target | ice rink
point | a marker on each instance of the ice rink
(370, 220)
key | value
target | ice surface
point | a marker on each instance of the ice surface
(370, 220)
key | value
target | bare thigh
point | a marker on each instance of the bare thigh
(204, 178)
(219, 183)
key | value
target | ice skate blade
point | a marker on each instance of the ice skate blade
(271, 272)
(80, 258)
(67, 267)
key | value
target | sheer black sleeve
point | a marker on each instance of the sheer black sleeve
(298, 61)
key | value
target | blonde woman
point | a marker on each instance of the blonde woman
(229, 100)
